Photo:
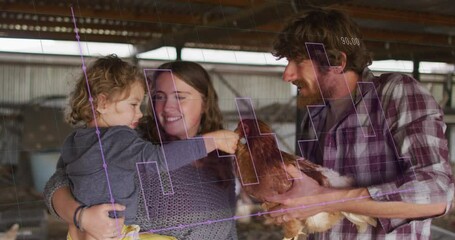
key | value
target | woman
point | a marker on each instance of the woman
(185, 105)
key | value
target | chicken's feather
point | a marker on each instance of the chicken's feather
(261, 167)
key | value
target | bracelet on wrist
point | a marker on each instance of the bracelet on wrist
(75, 221)
(79, 222)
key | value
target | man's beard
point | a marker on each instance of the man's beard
(313, 96)
(304, 101)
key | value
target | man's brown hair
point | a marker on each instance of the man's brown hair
(334, 29)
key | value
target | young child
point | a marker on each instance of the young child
(100, 156)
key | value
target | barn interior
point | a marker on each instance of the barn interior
(415, 37)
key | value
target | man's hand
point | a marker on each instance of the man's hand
(305, 198)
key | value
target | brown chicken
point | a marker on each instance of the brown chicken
(261, 171)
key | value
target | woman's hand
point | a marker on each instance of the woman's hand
(97, 223)
(223, 140)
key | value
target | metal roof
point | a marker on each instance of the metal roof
(409, 29)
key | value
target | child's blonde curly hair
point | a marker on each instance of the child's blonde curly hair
(110, 76)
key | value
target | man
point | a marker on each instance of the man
(386, 132)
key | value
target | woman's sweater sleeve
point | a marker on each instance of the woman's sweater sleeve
(58, 180)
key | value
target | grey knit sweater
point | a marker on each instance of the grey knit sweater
(122, 150)
(195, 207)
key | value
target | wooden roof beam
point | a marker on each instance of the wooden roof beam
(406, 51)
(156, 17)
(69, 25)
(227, 3)
(407, 37)
(396, 15)
(71, 36)
(374, 34)
(246, 19)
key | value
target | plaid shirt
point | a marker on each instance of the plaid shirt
(392, 142)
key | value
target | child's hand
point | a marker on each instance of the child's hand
(223, 140)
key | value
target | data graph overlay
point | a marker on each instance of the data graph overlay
(249, 127)
(311, 130)
(361, 143)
